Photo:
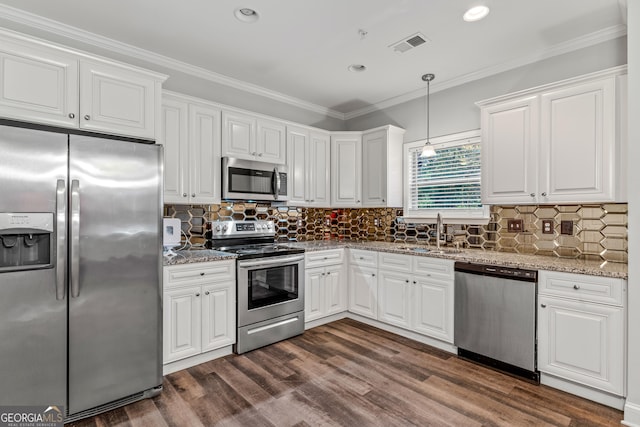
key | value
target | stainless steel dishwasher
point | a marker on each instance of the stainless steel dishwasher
(495, 317)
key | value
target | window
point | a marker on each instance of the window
(448, 183)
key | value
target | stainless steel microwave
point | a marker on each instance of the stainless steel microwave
(249, 180)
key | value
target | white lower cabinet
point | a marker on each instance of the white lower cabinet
(416, 293)
(363, 283)
(198, 308)
(580, 338)
(325, 284)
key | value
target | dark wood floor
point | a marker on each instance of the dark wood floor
(350, 374)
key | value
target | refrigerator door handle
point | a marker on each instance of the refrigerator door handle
(75, 238)
(61, 233)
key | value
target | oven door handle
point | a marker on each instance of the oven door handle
(274, 261)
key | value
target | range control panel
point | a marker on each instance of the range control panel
(231, 229)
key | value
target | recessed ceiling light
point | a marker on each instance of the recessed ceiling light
(476, 13)
(245, 14)
(356, 68)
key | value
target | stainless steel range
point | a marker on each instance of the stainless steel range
(270, 282)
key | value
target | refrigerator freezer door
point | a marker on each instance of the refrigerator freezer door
(116, 247)
(33, 322)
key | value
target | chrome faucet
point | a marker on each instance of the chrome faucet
(438, 230)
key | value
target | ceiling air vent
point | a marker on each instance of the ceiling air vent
(410, 42)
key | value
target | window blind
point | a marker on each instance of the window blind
(449, 180)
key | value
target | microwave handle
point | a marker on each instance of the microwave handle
(276, 177)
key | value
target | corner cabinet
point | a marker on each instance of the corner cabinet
(382, 167)
(253, 138)
(559, 143)
(309, 167)
(199, 313)
(47, 84)
(582, 330)
(191, 140)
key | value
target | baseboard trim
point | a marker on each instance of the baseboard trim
(631, 414)
(586, 392)
(325, 320)
(179, 365)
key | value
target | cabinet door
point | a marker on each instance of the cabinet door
(117, 100)
(394, 294)
(583, 342)
(38, 85)
(218, 315)
(204, 155)
(271, 143)
(363, 291)
(433, 308)
(319, 181)
(297, 147)
(182, 323)
(346, 170)
(336, 290)
(509, 151)
(374, 168)
(176, 152)
(314, 294)
(238, 135)
(578, 141)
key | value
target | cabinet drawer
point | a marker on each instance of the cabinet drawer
(323, 258)
(433, 267)
(582, 287)
(363, 258)
(394, 262)
(180, 275)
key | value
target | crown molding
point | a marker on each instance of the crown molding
(559, 49)
(60, 29)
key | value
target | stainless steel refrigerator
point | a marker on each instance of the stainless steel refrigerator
(80, 270)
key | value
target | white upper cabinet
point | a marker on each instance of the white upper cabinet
(346, 169)
(38, 85)
(309, 167)
(382, 167)
(45, 84)
(248, 137)
(561, 143)
(509, 151)
(116, 99)
(191, 139)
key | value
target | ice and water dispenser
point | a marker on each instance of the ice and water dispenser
(26, 241)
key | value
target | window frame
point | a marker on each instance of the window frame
(451, 216)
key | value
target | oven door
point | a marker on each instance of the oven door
(269, 287)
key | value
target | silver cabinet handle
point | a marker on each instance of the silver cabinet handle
(324, 274)
(382, 200)
(532, 194)
(373, 275)
(202, 274)
(87, 117)
(184, 194)
(407, 281)
(72, 116)
(544, 194)
(543, 305)
(198, 294)
(193, 194)
(259, 154)
(206, 293)
(75, 238)
(576, 287)
(414, 282)
(61, 236)
(357, 201)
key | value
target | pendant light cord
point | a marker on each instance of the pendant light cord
(427, 78)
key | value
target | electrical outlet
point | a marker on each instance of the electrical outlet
(515, 225)
(547, 226)
(566, 227)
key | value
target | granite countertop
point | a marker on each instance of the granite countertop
(196, 254)
(534, 262)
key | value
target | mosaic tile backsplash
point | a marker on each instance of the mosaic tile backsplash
(599, 231)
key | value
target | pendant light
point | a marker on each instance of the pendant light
(428, 150)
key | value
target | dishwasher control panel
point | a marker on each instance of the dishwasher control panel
(497, 271)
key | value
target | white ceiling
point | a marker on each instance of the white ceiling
(300, 49)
